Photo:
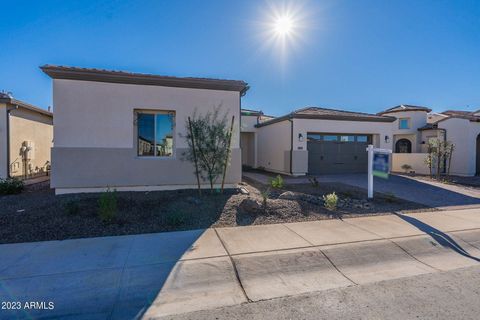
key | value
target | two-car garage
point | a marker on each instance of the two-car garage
(330, 153)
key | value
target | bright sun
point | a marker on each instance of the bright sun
(283, 25)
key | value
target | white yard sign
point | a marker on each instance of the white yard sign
(378, 164)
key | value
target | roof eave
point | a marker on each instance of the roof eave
(71, 73)
(19, 103)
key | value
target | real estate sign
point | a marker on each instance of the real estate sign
(378, 165)
(381, 164)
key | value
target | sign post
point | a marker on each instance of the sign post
(378, 165)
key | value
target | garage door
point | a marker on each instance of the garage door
(337, 153)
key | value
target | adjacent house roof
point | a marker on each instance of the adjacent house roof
(100, 75)
(405, 107)
(329, 114)
(8, 99)
(249, 112)
(461, 114)
(428, 126)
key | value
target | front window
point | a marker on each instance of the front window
(155, 134)
(404, 123)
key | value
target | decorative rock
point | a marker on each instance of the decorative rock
(244, 190)
(368, 205)
(288, 195)
(250, 205)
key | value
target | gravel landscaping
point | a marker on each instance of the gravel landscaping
(37, 214)
(472, 182)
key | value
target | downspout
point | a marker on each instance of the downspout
(291, 145)
(8, 141)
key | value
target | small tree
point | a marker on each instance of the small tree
(208, 140)
(439, 156)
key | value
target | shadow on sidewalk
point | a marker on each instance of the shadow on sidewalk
(442, 238)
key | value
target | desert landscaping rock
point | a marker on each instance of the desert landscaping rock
(37, 214)
(289, 195)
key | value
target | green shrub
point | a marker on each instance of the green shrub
(277, 182)
(107, 205)
(11, 186)
(265, 195)
(71, 207)
(330, 201)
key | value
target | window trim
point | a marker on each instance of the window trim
(400, 121)
(155, 112)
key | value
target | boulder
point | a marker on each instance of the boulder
(243, 190)
(289, 195)
(250, 205)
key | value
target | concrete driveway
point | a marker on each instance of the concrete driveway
(154, 275)
(432, 194)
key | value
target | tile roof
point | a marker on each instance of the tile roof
(461, 114)
(329, 114)
(405, 107)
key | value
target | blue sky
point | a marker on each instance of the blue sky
(362, 55)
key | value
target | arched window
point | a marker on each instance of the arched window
(403, 146)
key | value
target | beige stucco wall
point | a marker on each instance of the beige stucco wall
(3, 141)
(26, 125)
(273, 148)
(95, 135)
(425, 135)
(248, 123)
(417, 120)
(247, 144)
(415, 160)
(463, 134)
(302, 126)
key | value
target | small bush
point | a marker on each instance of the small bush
(277, 182)
(107, 205)
(406, 168)
(330, 201)
(72, 207)
(265, 195)
(11, 186)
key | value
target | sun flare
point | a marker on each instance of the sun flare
(283, 25)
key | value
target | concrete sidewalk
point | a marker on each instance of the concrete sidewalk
(161, 274)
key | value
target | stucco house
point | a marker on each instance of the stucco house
(126, 131)
(315, 140)
(26, 136)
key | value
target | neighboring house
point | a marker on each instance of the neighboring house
(319, 141)
(248, 136)
(126, 131)
(462, 128)
(316, 140)
(26, 136)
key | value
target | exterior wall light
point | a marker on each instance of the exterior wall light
(300, 137)
(387, 139)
